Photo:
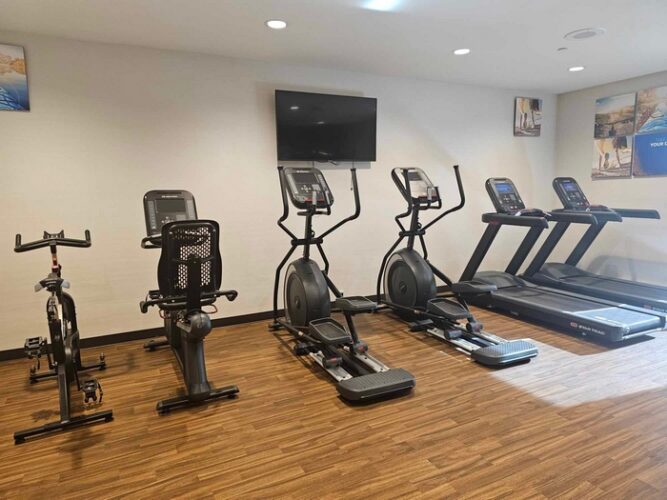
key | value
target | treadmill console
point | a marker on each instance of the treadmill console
(307, 188)
(505, 196)
(161, 207)
(422, 189)
(570, 194)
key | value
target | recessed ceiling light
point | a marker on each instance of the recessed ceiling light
(576, 69)
(382, 5)
(320, 123)
(584, 33)
(276, 24)
(294, 108)
(461, 52)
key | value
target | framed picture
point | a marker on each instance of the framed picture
(13, 79)
(650, 154)
(652, 110)
(527, 117)
(615, 116)
(613, 158)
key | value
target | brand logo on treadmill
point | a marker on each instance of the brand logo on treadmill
(170, 196)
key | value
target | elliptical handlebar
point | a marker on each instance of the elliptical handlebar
(52, 240)
(459, 206)
(357, 205)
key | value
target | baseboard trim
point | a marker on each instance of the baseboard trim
(116, 338)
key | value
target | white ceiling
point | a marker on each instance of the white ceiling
(513, 42)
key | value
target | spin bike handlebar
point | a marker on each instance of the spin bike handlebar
(52, 240)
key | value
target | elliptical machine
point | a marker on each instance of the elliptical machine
(409, 281)
(62, 353)
(189, 277)
(338, 350)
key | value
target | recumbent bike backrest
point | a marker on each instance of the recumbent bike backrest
(182, 240)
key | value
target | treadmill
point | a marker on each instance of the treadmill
(568, 311)
(568, 276)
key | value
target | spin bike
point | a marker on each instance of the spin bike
(189, 276)
(337, 350)
(62, 353)
(408, 280)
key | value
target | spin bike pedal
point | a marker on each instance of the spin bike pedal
(34, 347)
(90, 388)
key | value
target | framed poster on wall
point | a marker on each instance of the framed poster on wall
(652, 110)
(527, 117)
(613, 158)
(13, 79)
(650, 154)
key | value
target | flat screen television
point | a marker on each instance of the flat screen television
(324, 127)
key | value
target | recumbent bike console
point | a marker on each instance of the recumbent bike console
(332, 346)
(189, 278)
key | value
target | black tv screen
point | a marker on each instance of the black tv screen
(323, 127)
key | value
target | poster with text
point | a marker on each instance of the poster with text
(615, 116)
(650, 155)
(652, 110)
(13, 79)
(613, 158)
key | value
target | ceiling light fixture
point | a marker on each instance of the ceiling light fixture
(576, 69)
(276, 24)
(382, 5)
(294, 108)
(461, 52)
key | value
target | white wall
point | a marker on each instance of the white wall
(635, 249)
(109, 123)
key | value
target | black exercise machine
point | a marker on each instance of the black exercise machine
(568, 276)
(189, 277)
(568, 311)
(410, 287)
(62, 352)
(338, 350)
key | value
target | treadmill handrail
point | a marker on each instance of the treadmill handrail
(573, 217)
(514, 220)
(637, 213)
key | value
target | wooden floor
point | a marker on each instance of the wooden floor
(580, 421)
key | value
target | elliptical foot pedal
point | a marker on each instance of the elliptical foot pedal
(448, 309)
(375, 385)
(355, 305)
(329, 332)
(506, 353)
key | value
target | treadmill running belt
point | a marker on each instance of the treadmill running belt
(614, 286)
(553, 301)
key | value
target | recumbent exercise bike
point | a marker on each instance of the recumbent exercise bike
(189, 277)
(62, 353)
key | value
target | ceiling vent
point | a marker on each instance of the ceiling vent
(584, 34)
